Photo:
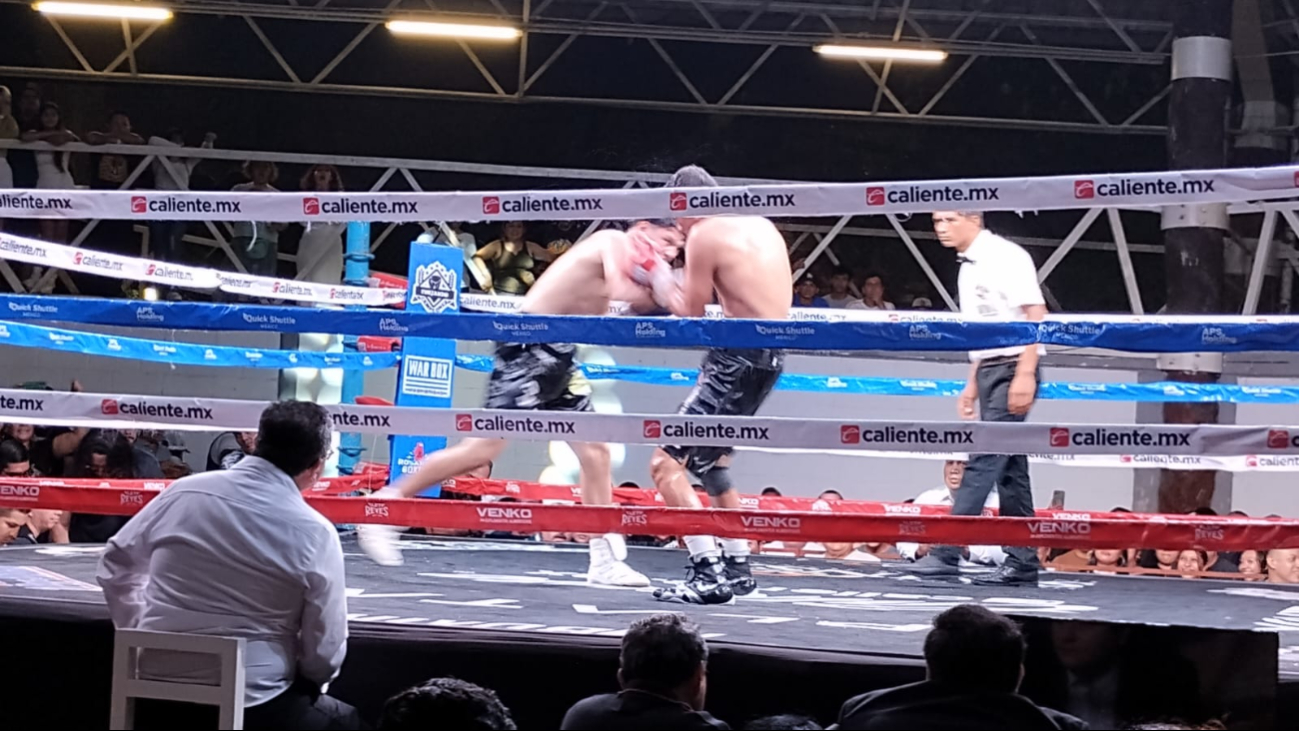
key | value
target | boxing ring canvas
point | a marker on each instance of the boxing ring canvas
(518, 616)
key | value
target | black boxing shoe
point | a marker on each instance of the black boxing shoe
(739, 574)
(1009, 576)
(705, 584)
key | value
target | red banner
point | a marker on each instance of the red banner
(1057, 529)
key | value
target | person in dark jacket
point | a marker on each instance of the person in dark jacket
(663, 671)
(975, 663)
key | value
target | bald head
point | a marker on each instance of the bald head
(1283, 566)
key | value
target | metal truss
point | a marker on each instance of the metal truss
(1267, 254)
(708, 56)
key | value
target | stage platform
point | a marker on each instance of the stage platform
(519, 617)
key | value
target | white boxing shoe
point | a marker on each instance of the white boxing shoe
(607, 565)
(380, 543)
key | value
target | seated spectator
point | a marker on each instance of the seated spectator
(230, 447)
(509, 263)
(445, 703)
(239, 553)
(12, 521)
(770, 491)
(43, 526)
(1283, 566)
(839, 298)
(807, 293)
(1107, 560)
(1078, 558)
(1253, 565)
(1161, 559)
(631, 484)
(787, 722)
(48, 450)
(872, 293)
(14, 460)
(107, 454)
(663, 672)
(1191, 563)
(953, 473)
(975, 662)
(830, 495)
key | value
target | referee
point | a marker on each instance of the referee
(998, 281)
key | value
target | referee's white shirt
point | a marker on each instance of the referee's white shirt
(997, 281)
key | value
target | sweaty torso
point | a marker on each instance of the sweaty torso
(752, 275)
(576, 283)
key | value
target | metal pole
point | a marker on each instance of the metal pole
(356, 272)
(1193, 235)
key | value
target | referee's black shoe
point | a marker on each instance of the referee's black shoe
(1008, 576)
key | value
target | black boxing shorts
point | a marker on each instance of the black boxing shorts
(535, 377)
(731, 383)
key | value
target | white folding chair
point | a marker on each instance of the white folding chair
(227, 695)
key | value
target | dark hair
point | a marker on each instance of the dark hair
(975, 648)
(446, 703)
(57, 110)
(783, 722)
(95, 442)
(117, 113)
(662, 652)
(872, 275)
(12, 452)
(836, 272)
(629, 483)
(692, 176)
(308, 182)
(293, 435)
(251, 165)
(771, 490)
(826, 492)
(1204, 511)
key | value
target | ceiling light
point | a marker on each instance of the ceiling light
(882, 53)
(454, 30)
(114, 11)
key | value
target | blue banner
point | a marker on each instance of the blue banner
(428, 364)
(158, 351)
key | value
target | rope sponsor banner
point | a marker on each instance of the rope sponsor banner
(193, 354)
(133, 410)
(666, 332)
(1067, 531)
(129, 268)
(781, 199)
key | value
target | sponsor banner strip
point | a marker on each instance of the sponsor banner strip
(117, 266)
(98, 409)
(1224, 463)
(782, 199)
(1168, 337)
(1077, 531)
(193, 354)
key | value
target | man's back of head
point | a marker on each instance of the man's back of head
(976, 649)
(445, 703)
(294, 436)
(667, 655)
(692, 176)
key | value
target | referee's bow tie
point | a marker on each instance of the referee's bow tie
(963, 259)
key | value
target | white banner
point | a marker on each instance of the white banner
(1243, 463)
(116, 266)
(792, 199)
(85, 409)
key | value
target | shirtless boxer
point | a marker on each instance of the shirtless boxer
(539, 377)
(743, 260)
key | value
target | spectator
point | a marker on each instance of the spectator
(257, 243)
(630, 484)
(806, 293)
(240, 553)
(783, 723)
(445, 703)
(107, 454)
(770, 491)
(1108, 560)
(14, 460)
(1253, 565)
(830, 496)
(166, 237)
(1283, 566)
(663, 672)
(320, 250)
(47, 452)
(1190, 563)
(839, 298)
(52, 172)
(230, 447)
(922, 303)
(43, 526)
(481, 472)
(953, 475)
(1078, 558)
(112, 170)
(8, 131)
(508, 264)
(1161, 559)
(12, 520)
(975, 661)
(872, 295)
(27, 113)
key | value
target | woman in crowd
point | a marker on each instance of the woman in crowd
(1253, 565)
(1191, 563)
(53, 173)
(509, 263)
(1161, 559)
(257, 243)
(320, 250)
(106, 454)
(1107, 560)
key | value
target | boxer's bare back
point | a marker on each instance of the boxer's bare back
(741, 258)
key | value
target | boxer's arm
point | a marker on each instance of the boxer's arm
(697, 287)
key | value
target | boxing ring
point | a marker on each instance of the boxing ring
(471, 607)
